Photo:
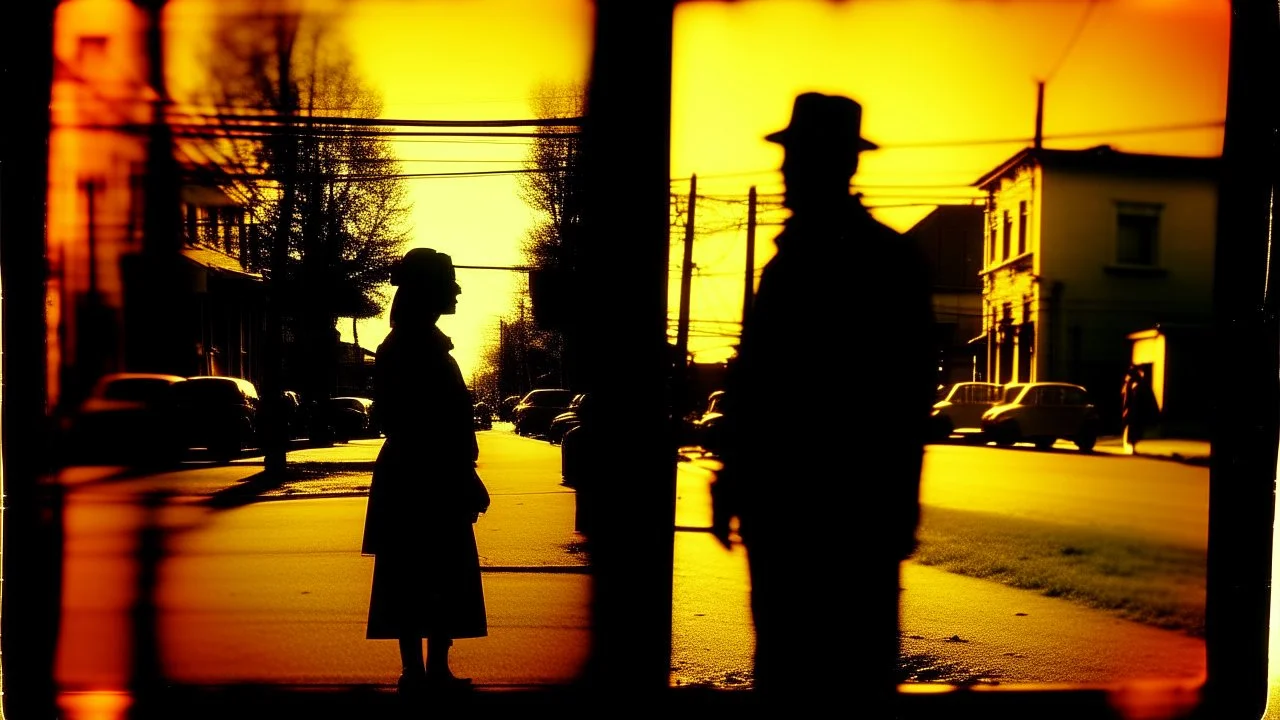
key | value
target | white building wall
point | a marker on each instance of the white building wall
(1079, 241)
(1102, 301)
(1010, 277)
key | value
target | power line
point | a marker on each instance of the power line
(1084, 19)
(1173, 127)
(266, 131)
(293, 120)
(1061, 136)
(512, 268)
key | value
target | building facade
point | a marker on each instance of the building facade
(143, 248)
(951, 238)
(1082, 248)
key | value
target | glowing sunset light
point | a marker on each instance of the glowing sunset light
(949, 91)
(941, 82)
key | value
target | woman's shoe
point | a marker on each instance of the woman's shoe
(411, 683)
(446, 681)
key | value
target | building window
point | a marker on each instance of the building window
(1022, 227)
(992, 234)
(91, 51)
(1005, 232)
(1137, 232)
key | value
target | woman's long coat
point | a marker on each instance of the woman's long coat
(426, 578)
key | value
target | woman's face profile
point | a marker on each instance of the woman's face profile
(451, 301)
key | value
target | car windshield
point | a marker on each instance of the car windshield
(207, 391)
(1011, 393)
(549, 398)
(974, 393)
(147, 390)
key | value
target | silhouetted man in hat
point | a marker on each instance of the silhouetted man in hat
(828, 403)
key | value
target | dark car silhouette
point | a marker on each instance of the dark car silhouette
(350, 417)
(535, 411)
(565, 421)
(959, 410)
(125, 419)
(481, 416)
(1043, 413)
(705, 430)
(215, 414)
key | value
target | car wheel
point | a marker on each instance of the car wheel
(227, 449)
(1045, 443)
(1086, 442)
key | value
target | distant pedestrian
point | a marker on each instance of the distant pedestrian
(827, 514)
(425, 494)
(1139, 410)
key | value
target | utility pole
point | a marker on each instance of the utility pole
(1039, 114)
(95, 324)
(503, 382)
(275, 444)
(681, 384)
(749, 281)
(686, 272)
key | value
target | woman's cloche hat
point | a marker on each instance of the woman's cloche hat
(423, 267)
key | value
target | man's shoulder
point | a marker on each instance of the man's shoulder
(892, 240)
(387, 346)
(867, 223)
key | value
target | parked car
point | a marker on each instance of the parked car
(482, 416)
(576, 447)
(217, 414)
(959, 409)
(706, 428)
(535, 411)
(507, 407)
(125, 419)
(560, 424)
(294, 417)
(1043, 413)
(350, 417)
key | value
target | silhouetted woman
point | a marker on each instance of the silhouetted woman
(1139, 410)
(423, 495)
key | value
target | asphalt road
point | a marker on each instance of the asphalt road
(276, 591)
(270, 587)
(1146, 497)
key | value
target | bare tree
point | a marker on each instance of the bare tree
(553, 187)
(290, 125)
(553, 190)
(346, 220)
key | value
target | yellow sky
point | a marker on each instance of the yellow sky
(939, 80)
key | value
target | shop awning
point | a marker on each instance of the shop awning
(218, 262)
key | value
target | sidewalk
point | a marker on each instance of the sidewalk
(539, 634)
(1193, 451)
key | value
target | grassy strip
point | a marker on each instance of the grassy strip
(1148, 582)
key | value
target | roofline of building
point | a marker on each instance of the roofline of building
(938, 212)
(1104, 157)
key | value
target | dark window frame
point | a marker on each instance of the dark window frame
(1138, 234)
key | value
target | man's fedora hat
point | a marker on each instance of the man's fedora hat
(820, 120)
